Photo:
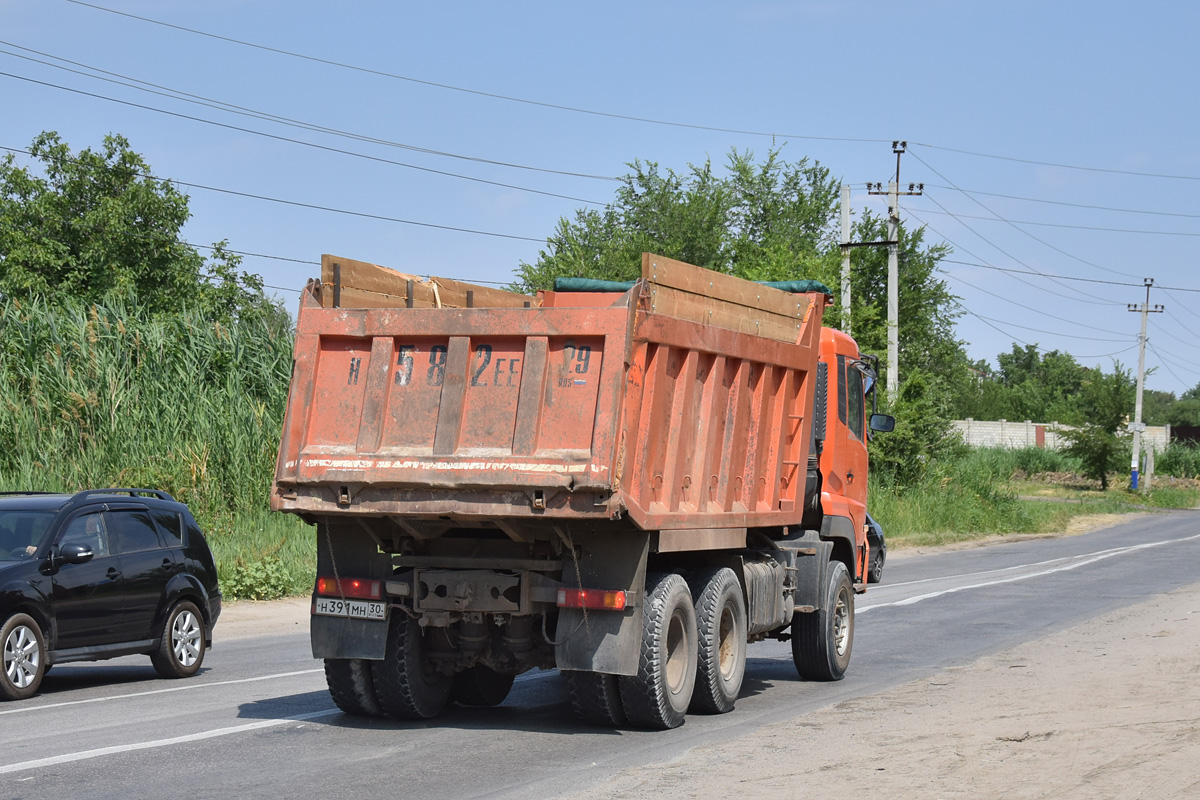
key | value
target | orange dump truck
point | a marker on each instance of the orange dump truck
(629, 484)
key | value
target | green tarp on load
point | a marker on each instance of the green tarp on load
(593, 285)
(799, 287)
(590, 285)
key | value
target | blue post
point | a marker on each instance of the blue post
(1133, 476)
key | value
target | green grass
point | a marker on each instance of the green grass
(980, 495)
(106, 395)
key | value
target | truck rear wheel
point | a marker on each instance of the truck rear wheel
(351, 687)
(721, 624)
(822, 640)
(659, 694)
(405, 682)
(480, 686)
(596, 698)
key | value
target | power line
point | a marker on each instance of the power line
(1167, 364)
(1006, 253)
(1048, 333)
(330, 209)
(1025, 306)
(176, 94)
(993, 213)
(1047, 163)
(1017, 272)
(476, 92)
(314, 145)
(1061, 225)
(1071, 205)
(1042, 274)
(1017, 339)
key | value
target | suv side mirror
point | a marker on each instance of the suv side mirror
(75, 554)
(884, 423)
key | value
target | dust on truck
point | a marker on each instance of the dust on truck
(629, 484)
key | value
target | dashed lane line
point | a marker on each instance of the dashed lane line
(183, 688)
(67, 758)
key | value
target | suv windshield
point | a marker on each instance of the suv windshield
(21, 532)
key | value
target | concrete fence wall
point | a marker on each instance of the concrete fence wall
(1015, 435)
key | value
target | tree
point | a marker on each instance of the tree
(1030, 384)
(764, 221)
(1105, 401)
(768, 220)
(94, 225)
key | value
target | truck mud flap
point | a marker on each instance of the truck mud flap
(604, 641)
(811, 563)
(336, 637)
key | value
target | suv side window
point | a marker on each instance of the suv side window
(171, 523)
(133, 531)
(90, 531)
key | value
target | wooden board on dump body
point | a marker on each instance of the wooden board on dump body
(688, 292)
(363, 285)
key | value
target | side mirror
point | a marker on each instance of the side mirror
(75, 554)
(884, 423)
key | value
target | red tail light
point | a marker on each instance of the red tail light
(350, 587)
(591, 598)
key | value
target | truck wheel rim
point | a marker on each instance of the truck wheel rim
(727, 636)
(841, 624)
(21, 656)
(677, 654)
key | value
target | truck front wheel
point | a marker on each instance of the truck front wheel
(405, 682)
(822, 640)
(659, 694)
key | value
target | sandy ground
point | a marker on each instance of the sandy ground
(1109, 709)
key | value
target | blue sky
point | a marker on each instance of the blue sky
(1024, 89)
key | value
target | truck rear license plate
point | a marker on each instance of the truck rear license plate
(354, 609)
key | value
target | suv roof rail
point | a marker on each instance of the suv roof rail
(10, 494)
(161, 495)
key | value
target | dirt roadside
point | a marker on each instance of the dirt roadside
(1108, 709)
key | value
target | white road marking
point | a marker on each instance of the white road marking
(67, 758)
(182, 688)
(1073, 562)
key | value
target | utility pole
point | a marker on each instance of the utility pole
(893, 243)
(846, 258)
(1136, 426)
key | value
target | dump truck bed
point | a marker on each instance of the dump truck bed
(684, 403)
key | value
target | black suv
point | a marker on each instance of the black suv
(101, 574)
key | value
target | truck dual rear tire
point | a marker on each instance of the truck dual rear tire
(822, 640)
(351, 686)
(659, 694)
(596, 698)
(721, 624)
(405, 683)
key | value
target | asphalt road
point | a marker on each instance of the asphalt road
(258, 721)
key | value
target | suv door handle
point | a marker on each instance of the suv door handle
(113, 573)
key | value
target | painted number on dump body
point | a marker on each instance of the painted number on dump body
(486, 368)
(576, 361)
